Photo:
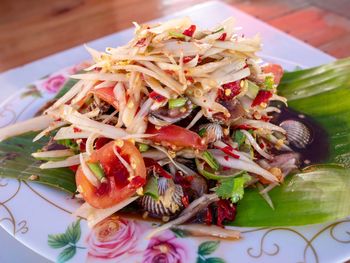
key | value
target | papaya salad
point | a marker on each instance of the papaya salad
(173, 126)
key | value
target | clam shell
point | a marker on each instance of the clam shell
(298, 134)
(169, 202)
(214, 131)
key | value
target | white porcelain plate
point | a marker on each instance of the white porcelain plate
(31, 212)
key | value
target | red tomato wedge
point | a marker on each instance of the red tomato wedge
(173, 135)
(276, 70)
(118, 187)
(106, 94)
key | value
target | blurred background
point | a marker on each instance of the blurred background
(32, 29)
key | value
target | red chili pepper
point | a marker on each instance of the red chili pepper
(82, 145)
(265, 118)
(190, 79)
(189, 31)
(74, 168)
(137, 182)
(100, 142)
(187, 59)
(152, 164)
(141, 42)
(226, 157)
(222, 37)
(169, 71)
(184, 181)
(157, 97)
(262, 97)
(229, 90)
(244, 127)
(76, 130)
(226, 211)
(185, 201)
(208, 216)
(229, 151)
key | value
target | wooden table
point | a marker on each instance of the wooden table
(32, 29)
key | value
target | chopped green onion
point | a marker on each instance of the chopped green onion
(176, 34)
(269, 83)
(176, 103)
(219, 30)
(202, 132)
(143, 147)
(71, 144)
(210, 160)
(97, 170)
(213, 176)
(151, 188)
(253, 89)
(239, 138)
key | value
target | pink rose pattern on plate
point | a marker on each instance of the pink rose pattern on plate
(167, 248)
(54, 83)
(114, 239)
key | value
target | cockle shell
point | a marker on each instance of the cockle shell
(213, 131)
(169, 202)
(298, 134)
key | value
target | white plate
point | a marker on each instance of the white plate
(31, 212)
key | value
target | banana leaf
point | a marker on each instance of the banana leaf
(319, 193)
(16, 162)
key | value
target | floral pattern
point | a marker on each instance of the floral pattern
(114, 239)
(54, 83)
(167, 248)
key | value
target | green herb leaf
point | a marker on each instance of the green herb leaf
(16, 162)
(200, 260)
(232, 188)
(57, 241)
(214, 260)
(269, 83)
(151, 188)
(239, 138)
(66, 254)
(208, 247)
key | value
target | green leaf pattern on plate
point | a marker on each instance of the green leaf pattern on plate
(68, 240)
(207, 248)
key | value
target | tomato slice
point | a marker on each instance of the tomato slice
(276, 70)
(173, 135)
(118, 187)
(106, 94)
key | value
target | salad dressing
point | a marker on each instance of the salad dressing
(318, 150)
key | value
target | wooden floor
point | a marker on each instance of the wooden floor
(32, 29)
